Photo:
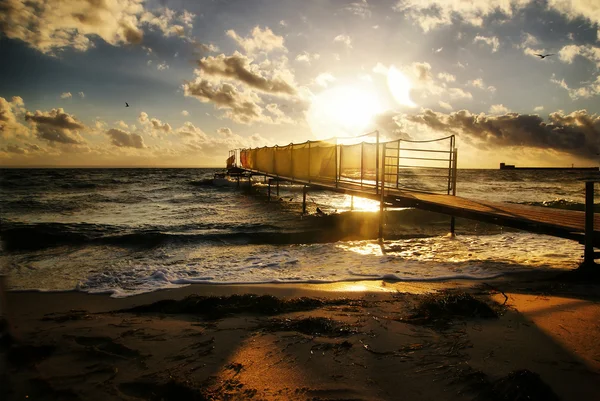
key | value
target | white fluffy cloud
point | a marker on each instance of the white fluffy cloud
(324, 78)
(499, 109)
(491, 41)
(431, 14)
(260, 40)
(344, 39)
(587, 91)
(9, 122)
(307, 57)
(570, 52)
(66, 95)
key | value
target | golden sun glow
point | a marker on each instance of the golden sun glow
(343, 111)
(400, 87)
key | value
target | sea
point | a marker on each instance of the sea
(129, 231)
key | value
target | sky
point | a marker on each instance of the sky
(204, 77)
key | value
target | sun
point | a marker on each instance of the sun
(343, 111)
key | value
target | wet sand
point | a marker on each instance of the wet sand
(354, 341)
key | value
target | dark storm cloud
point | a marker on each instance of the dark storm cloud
(577, 133)
(237, 67)
(124, 139)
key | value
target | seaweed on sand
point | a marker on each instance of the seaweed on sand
(440, 308)
(220, 306)
(518, 385)
(314, 326)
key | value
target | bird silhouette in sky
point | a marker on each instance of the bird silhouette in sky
(544, 55)
(126, 104)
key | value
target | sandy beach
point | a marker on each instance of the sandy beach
(371, 340)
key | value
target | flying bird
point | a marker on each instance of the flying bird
(126, 104)
(544, 55)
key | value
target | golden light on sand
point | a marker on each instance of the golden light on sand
(343, 111)
(400, 87)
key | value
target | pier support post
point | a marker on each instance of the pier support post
(238, 181)
(588, 254)
(304, 200)
(351, 202)
(277, 186)
(269, 190)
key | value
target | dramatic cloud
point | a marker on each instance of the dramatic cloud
(56, 126)
(577, 133)
(259, 41)
(125, 139)
(491, 41)
(538, 108)
(243, 107)
(47, 25)
(185, 113)
(344, 39)
(66, 95)
(241, 69)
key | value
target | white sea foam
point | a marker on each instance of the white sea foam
(423, 259)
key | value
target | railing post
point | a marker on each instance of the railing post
(382, 201)
(362, 162)
(336, 163)
(309, 161)
(453, 156)
(398, 165)
(588, 254)
(377, 163)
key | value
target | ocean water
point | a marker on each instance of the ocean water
(128, 231)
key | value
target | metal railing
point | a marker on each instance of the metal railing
(425, 166)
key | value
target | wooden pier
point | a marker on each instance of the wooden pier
(392, 178)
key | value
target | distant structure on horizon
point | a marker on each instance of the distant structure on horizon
(504, 166)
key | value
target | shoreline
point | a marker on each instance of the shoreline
(74, 345)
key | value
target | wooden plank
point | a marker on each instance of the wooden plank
(557, 222)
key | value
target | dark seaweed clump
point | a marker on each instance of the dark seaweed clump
(313, 326)
(445, 306)
(171, 391)
(519, 385)
(218, 307)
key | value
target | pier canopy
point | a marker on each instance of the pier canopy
(365, 160)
